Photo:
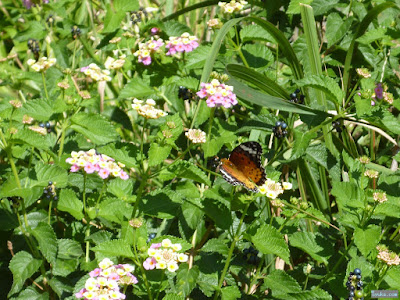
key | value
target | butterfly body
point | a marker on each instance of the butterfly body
(243, 167)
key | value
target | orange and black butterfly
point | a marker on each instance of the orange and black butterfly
(243, 167)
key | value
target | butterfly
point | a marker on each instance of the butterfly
(243, 167)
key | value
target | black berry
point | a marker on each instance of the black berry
(41, 125)
(357, 271)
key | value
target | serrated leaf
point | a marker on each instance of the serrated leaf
(94, 127)
(60, 285)
(301, 142)
(313, 244)
(122, 189)
(367, 239)
(213, 146)
(294, 6)
(191, 213)
(279, 282)
(392, 278)
(185, 169)
(216, 245)
(347, 194)
(115, 248)
(257, 55)
(39, 109)
(322, 6)
(324, 83)
(186, 279)
(136, 88)
(69, 202)
(30, 293)
(336, 28)
(69, 249)
(173, 296)
(175, 28)
(158, 153)
(115, 210)
(230, 293)
(112, 19)
(372, 35)
(32, 138)
(269, 241)
(22, 266)
(255, 32)
(47, 240)
(316, 294)
(163, 204)
(46, 173)
(126, 153)
(198, 57)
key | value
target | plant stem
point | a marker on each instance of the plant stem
(230, 253)
(142, 144)
(138, 263)
(44, 86)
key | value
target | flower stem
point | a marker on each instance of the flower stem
(230, 253)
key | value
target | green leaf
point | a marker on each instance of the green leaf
(186, 279)
(347, 194)
(185, 169)
(192, 213)
(113, 19)
(280, 283)
(257, 56)
(301, 142)
(198, 57)
(324, 83)
(115, 210)
(173, 296)
(115, 248)
(322, 6)
(125, 5)
(372, 35)
(69, 249)
(30, 293)
(158, 153)
(64, 267)
(162, 203)
(390, 208)
(8, 220)
(122, 189)
(392, 278)
(136, 88)
(230, 293)
(336, 28)
(313, 244)
(264, 83)
(60, 285)
(54, 173)
(269, 240)
(95, 127)
(34, 30)
(213, 146)
(367, 239)
(126, 153)
(173, 127)
(250, 95)
(22, 266)
(216, 245)
(47, 240)
(255, 32)
(32, 138)
(70, 203)
(294, 6)
(40, 109)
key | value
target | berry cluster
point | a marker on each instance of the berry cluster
(76, 32)
(296, 97)
(337, 125)
(151, 236)
(33, 45)
(251, 256)
(137, 16)
(354, 285)
(280, 129)
(46, 125)
(50, 191)
(184, 93)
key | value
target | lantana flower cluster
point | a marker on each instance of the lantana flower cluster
(217, 94)
(42, 64)
(148, 109)
(387, 256)
(196, 136)
(104, 282)
(91, 162)
(183, 43)
(273, 189)
(148, 48)
(113, 64)
(233, 6)
(95, 73)
(165, 255)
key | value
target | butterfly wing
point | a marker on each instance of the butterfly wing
(244, 166)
